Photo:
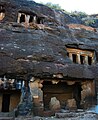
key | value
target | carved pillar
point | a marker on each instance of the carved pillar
(2, 15)
(19, 15)
(37, 95)
(92, 60)
(70, 56)
(86, 60)
(26, 24)
(34, 19)
(36, 92)
(27, 17)
(78, 59)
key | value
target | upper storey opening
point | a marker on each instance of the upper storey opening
(2, 12)
(81, 56)
(24, 17)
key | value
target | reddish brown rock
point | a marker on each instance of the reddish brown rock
(71, 104)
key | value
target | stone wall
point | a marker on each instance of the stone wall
(87, 93)
(14, 101)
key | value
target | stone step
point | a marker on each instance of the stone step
(6, 118)
(7, 114)
(26, 118)
(63, 115)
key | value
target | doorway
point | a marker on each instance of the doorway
(77, 93)
(5, 102)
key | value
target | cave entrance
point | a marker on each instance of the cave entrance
(70, 94)
(77, 93)
(5, 102)
(9, 99)
(22, 18)
(62, 91)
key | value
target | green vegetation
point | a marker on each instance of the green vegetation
(53, 6)
(78, 14)
(90, 21)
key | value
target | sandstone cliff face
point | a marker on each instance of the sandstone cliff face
(41, 50)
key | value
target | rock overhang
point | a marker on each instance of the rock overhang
(41, 51)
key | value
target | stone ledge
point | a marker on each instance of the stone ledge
(6, 118)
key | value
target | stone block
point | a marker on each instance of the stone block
(54, 104)
(71, 104)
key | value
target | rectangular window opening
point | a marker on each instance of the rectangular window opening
(89, 60)
(38, 21)
(82, 59)
(67, 54)
(31, 19)
(22, 18)
(74, 58)
(81, 56)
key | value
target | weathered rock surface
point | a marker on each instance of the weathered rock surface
(42, 52)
